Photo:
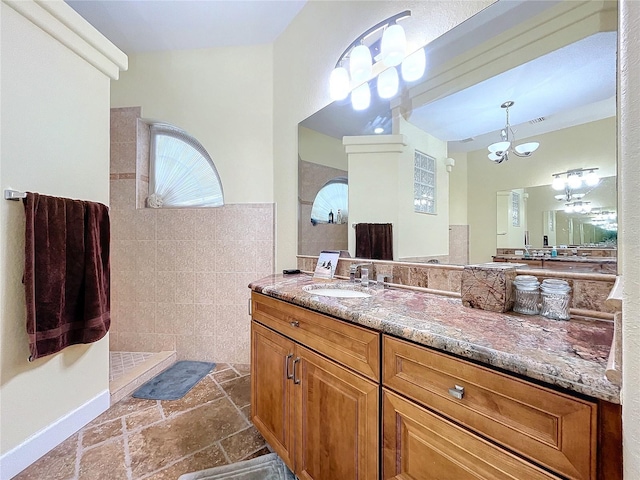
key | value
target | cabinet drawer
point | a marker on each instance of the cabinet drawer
(355, 347)
(557, 430)
(421, 445)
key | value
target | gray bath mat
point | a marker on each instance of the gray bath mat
(174, 382)
(266, 467)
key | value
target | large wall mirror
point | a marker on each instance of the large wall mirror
(556, 61)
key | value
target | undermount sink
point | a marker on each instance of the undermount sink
(338, 291)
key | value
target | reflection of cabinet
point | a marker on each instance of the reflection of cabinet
(321, 418)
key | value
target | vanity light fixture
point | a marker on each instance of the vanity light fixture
(578, 207)
(499, 151)
(386, 44)
(575, 178)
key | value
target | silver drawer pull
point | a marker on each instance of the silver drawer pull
(295, 323)
(457, 392)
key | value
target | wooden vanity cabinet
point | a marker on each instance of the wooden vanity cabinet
(320, 417)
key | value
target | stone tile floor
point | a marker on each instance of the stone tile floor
(160, 440)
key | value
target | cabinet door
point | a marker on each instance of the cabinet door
(421, 445)
(271, 390)
(336, 421)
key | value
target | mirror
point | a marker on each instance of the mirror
(555, 60)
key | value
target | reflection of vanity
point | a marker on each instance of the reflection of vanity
(584, 260)
(446, 390)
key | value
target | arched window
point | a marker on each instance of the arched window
(331, 204)
(182, 173)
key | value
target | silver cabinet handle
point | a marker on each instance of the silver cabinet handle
(295, 380)
(289, 357)
(294, 323)
(457, 392)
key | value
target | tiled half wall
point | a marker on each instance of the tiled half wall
(179, 276)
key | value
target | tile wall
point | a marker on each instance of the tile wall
(179, 276)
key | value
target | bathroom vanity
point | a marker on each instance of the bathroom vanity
(405, 384)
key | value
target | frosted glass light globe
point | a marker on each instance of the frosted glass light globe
(360, 64)
(361, 97)
(339, 83)
(388, 83)
(394, 45)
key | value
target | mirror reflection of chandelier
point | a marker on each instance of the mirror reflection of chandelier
(572, 180)
(499, 151)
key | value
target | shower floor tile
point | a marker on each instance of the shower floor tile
(122, 362)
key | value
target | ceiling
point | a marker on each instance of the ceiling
(156, 25)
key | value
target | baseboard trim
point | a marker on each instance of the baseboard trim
(34, 447)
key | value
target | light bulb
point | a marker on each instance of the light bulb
(414, 65)
(388, 83)
(339, 83)
(394, 45)
(591, 178)
(574, 181)
(360, 65)
(361, 97)
(499, 147)
(558, 183)
(527, 149)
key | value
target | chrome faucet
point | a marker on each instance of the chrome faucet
(353, 269)
(381, 280)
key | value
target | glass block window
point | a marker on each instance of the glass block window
(515, 210)
(182, 172)
(424, 183)
(331, 204)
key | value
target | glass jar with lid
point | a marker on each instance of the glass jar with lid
(555, 299)
(527, 297)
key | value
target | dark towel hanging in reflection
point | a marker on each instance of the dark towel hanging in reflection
(66, 274)
(374, 240)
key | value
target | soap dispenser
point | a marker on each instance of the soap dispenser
(331, 216)
(554, 251)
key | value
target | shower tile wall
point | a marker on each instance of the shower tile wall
(179, 276)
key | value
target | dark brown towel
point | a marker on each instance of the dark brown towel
(374, 240)
(66, 273)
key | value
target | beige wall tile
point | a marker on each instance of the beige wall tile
(185, 319)
(185, 253)
(122, 194)
(205, 228)
(176, 224)
(145, 253)
(205, 288)
(123, 255)
(164, 343)
(205, 255)
(123, 157)
(124, 123)
(185, 287)
(165, 322)
(145, 317)
(166, 257)
(123, 224)
(238, 256)
(205, 320)
(231, 288)
(166, 286)
(145, 224)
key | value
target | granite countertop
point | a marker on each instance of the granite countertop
(570, 354)
(562, 258)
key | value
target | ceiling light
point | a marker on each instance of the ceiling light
(394, 45)
(414, 65)
(355, 66)
(499, 151)
(361, 97)
(575, 179)
(388, 83)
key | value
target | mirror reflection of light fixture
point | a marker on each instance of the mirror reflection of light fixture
(354, 68)
(577, 207)
(572, 180)
(499, 151)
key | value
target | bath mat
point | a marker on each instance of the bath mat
(174, 382)
(266, 467)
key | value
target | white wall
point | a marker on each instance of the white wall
(629, 236)
(55, 140)
(221, 96)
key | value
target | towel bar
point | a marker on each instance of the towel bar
(14, 194)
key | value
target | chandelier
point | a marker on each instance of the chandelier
(499, 151)
(354, 68)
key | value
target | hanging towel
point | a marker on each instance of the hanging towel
(374, 240)
(66, 273)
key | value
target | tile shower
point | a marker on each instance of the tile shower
(179, 276)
